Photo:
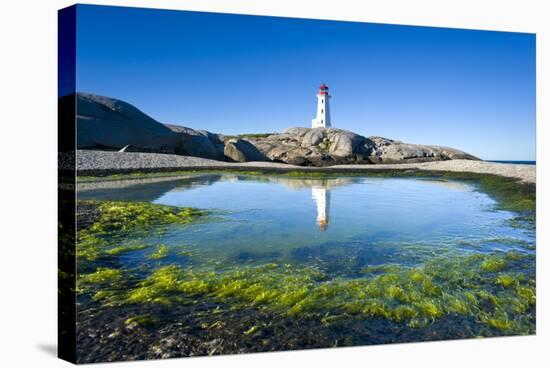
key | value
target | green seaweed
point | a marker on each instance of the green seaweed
(119, 220)
(89, 246)
(129, 217)
(506, 280)
(101, 275)
(497, 290)
(161, 252)
(125, 248)
(416, 296)
(141, 320)
(100, 281)
(251, 330)
(493, 264)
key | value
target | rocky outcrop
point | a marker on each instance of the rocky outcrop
(330, 146)
(108, 123)
(111, 124)
(199, 143)
(390, 151)
(241, 150)
(315, 147)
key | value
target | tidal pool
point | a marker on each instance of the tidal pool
(274, 262)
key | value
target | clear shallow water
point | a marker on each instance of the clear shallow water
(356, 220)
(291, 263)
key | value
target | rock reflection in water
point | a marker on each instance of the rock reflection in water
(143, 190)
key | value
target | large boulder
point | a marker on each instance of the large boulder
(199, 143)
(347, 144)
(104, 122)
(241, 150)
(108, 123)
(313, 137)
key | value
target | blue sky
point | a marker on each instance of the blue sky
(472, 90)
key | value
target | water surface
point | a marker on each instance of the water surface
(379, 220)
(287, 262)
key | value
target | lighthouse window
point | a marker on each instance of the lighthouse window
(322, 111)
(322, 101)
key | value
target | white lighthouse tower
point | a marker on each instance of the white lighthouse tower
(322, 120)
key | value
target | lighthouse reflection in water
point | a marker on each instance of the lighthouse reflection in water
(321, 196)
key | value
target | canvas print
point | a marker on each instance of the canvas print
(236, 184)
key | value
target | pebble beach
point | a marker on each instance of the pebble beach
(91, 162)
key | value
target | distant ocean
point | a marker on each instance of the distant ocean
(515, 162)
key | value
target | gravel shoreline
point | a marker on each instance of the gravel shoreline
(89, 162)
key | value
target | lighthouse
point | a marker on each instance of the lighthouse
(322, 120)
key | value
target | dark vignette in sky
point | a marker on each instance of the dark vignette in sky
(472, 90)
